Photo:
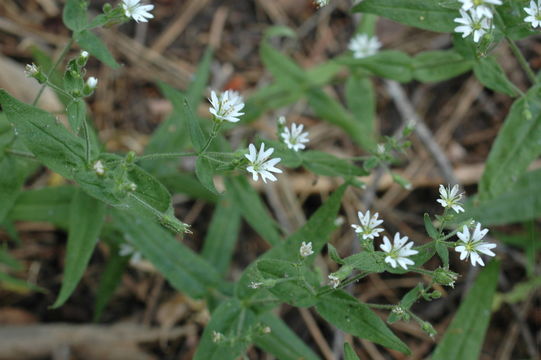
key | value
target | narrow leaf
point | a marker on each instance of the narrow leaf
(86, 219)
(439, 65)
(204, 169)
(388, 64)
(490, 73)
(326, 164)
(76, 115)
(361, 101)
(463, 338)
(349, 353)
(74, 14)
(196, 134)
(355, 318)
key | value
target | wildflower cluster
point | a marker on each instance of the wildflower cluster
(475, 18)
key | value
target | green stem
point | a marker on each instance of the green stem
(60, 90)
(53, 68)
(166, 156)
(381, 306)
(87, 141)
(215, 128)
(521, 60)
(19, 153)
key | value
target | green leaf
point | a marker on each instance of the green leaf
(184, 269)
(516, 146)
(109, 281)
(428, 15)
(361, 101)
(196, 134)
(44, 136)
(429, 227)
(512, 15)
(74, 14)
(407, 302)
(285, 70)
(349, 353)
(76, 115)
(274, 96)
(222, 235)
(326, 164)
(521, 202)
(204, 169)
(283, 343)
(185, 183)
(388, 64)
(51, 204)
(367, 261)
(8, 260)
(355, 318)
(333, 254)
(247, 200)
(95, 46)
(86, 219)
(231, 320)
(463, 338)
(13, 174)
(289, 158)
(290, 287)
(489, 73)
(439, 65)
(332, 111)
(10, 283)
(443, 253)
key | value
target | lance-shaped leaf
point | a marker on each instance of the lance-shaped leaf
(355, 318)
(439, 65)
(349, 353)
(74, 15)
(490, 73)
(463, 338)
(86, 219)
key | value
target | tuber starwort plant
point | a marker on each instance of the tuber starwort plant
(124, 200)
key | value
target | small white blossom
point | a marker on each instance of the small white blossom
(380, 149)
(267, 330)
(138, 12)
(471, 22)
(398, 310)
(471, 245)
(294, 138)
(450, 198)
(99, 168)
(534, 13)
(30, 70)
(321, 3)
(128, 250)
(217, 337)
(481, 7)
(260, 163)
(306, 249)
(226, 106)
(363, 46)
(84, 54)
(255, 285)
(132, 186)
(399, 251)
(369, 225)
(282, 120)
(334, 281)
(92, 82)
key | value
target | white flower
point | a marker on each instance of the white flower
(450, 198)
(534, 12)
(321, 3)
(267, 330)
(255, 285)
(30, 70)
(472, 23)
(295, 138)
(306, 249)
(369, 225)
(282, 120)
(481, 7)
(132, 186)
(99, 168)
(227, 106)
(334, 281)
(471, 245)
(260, 165)
(399, 251)
(136, 11)
(92, 82)
(128, 250)
(363, 46)
(84, 54)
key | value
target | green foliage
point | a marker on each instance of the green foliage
(428, 15)
(490, 73)
(88, 215)
(76, 114)
(329, 165)
(95, 46)
(389, 64)
(74, 14)
(464, 337)
(349, 353)
(349, 315)
(516, 146)
(439, 65)
(361, 101)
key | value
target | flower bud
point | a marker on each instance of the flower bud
(444, 277)
(90, 86)
(33, 71)
(82, 59)
(428, 328)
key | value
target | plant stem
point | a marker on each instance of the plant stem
(53, 68)
(87, 141)
(215, 128)
(521, 60)
(19, 153)
(166, 155)
(381, 306)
